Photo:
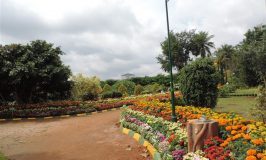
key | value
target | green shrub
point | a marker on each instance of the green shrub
(107, 88)
(112, 94)
(138, 89)
(179, 101)
(85, 85)
(226, 89)
(89, 96)
(259, 110)
(117, 94)
(198, 83)
(121, 88)
(130, 86)
(152, 88)
(156, 88)
(223, 92)
(107, 95)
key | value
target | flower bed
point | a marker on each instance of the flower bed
(237, 136)
(70, 107)
(168, 138)
(57, 108)
(44, 109)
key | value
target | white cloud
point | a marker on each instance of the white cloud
(111, 37)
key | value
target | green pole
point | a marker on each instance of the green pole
(174, 119)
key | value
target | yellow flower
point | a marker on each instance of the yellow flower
(259, 124)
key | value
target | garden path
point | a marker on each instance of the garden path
(96, 137)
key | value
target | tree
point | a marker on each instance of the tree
(261, 57)
(156, 88)
(198, 83)
(33, 73)
(107, 88)
(201, 44)
(138, 89)
(251, 58)
(182, 45)
(130, 86)
(84, 86)
(224, 60)
(259, 110)
(122, 89)
(180, 48)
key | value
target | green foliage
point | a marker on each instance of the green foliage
(122, 89)
(33, 73)
(244, 64)
(223, 92)
(225, 60)
(2, 157)
(85, 87)
(152, 88)
(155, 88)
(182, 45)
(226, 89)
(129, 85)
(138, 89)
(198, 83)
(111, 82)
(89, 96)
(239, 148)
(259, 111)
(107, 88)
(251, 57)
(201, 44)
(179, 101)
(111, 95)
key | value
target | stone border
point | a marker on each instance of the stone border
(62, 116)
(155, 154)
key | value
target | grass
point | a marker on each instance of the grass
(239, 105)
(247, 91)
(2, 157)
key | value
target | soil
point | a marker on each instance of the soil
(96, 137)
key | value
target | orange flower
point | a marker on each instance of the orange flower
(222, 122)
(251, 158)
(244, 128)
(257, 141)
(225, 143)
(229, 139)
(260, 155)
(235, 127)
(251, 152)
(246, 136)
(228, 128)
(233, 132)
(263, 158)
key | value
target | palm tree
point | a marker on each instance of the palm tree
(202, 44)
(224, 58)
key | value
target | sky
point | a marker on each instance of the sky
(108, 38)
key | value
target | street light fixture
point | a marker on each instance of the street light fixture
(174, 119)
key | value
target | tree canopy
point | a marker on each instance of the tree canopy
(33, 73)
(183, 45)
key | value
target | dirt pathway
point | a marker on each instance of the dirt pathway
(96, 137)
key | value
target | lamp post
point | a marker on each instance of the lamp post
(174, 119)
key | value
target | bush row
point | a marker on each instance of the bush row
(57, 108)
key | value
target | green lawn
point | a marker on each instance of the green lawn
(239, 105)
(2, 157)
(247, 91)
